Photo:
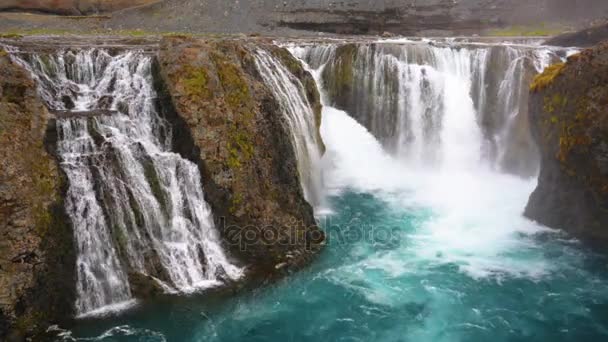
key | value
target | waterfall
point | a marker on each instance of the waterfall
(136, 206)
(300, 116)
(438, 104)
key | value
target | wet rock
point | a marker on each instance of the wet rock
(233, 128)
(569, 120)
(144, 286)
(37, 258)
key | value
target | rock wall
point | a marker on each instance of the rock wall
(37, 259)
(569, 120)
(429, 17)
(232, 127)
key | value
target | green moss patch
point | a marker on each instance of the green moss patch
(545, 79)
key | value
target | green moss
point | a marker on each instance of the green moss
(155, 185)
(540, 30)
(339, 76)
(196, 82)
(237, 200)
(553, 103)
(235, 87)
(545, 79)
(10, 35)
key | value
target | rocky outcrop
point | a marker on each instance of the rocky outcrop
(585, 38)
(232, 127)
(37, 259)
(569, 120)
(71, 7)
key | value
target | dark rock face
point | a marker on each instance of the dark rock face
(227, 121)
(440, 16)
(585, 38)
(37, 258)
(71, 7)
(569, 120)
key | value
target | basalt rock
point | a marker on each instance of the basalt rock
(569, 120)
(37, 258)
(228, 122)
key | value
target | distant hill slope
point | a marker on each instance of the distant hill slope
(585, 38)
(408, 17)
(70, 7)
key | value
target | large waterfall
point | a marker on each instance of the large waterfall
(438, 103)
(428, 165)
(137, 208)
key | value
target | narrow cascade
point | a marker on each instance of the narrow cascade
(138, 209)
(300, 116)
(439, 104)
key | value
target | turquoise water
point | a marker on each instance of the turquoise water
(352, 294)
(442, 256)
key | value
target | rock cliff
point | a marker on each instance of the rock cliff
(37, 260)
(569, 120)
(232, 127)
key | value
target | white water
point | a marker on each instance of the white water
(407, 93)
(476, 219)
(135, 205)
(300, 116)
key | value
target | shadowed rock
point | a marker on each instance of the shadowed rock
(569, 120)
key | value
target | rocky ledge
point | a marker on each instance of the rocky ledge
(569, 120)
(37, 259)
(234, 129)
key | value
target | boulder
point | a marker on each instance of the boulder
(569, 121)
(228, 122)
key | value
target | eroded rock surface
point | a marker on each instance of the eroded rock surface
(569, 120)
(37, 259)
(230, 124)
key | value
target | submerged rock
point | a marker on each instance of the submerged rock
(569, 120)
(37, 258)
(228, 122)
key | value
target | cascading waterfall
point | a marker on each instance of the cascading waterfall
(138, 209)
(438, 103)
(427, 240)
(300, 116)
